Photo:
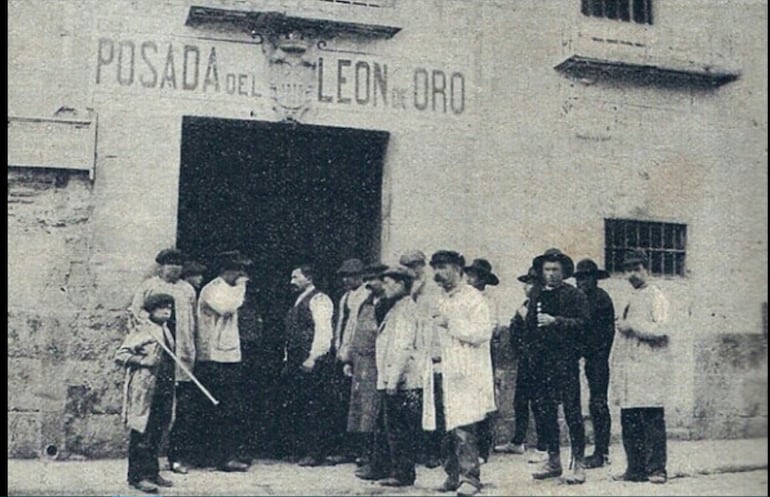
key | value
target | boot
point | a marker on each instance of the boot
(551, 468)
(578, 472)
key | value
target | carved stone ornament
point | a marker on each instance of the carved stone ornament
(292, 57)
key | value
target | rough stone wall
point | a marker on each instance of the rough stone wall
(63, 389)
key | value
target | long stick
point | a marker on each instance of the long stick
(188, 373)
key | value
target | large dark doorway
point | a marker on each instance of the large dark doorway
(282, 194)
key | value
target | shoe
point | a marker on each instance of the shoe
(537, 457)
(233, 466)
(162, 482)
(367, 473)
(449, 485)
(551, 468)
(629, 477)
(597, 461)
(658, 477)
(179, 468)
(145, 486)
(511, 448)
(432, 462)
(467, 490)
(577, 474)
(395, 482)
(308, 461)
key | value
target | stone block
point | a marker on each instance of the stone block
(25, 333)
(23, 383)
(730, 353)
(23, 434)
(93, 387)
(96, 436)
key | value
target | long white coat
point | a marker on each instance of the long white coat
(468, 380)
(642, 371)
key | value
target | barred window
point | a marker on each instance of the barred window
(665, 244)
(638, 11)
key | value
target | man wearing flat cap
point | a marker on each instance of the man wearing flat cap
(596, 345)
(556, 317)
(524, 394)
(351, 275)
(399, 359)
(148, 396)
(192, 273)
(183, 325)
(361, 367)
(219, 356)
(463, 316)
(642, 364)
(425, 293)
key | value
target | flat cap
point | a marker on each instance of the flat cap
(412, 257)
(156, 300)
(447, 257)
(170, 256)
(351, 267)
(398, 273)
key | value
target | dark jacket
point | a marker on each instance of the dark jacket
(561, 340)
(599, 333)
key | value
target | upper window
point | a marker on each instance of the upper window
(638, 11)
(664, 243)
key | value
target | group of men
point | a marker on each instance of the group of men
(408, 357)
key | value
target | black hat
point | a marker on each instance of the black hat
(401, 273)
(484, 269)
(351, 267)
(530, 277)
(233, 260)
(587, 267)
(447, 257)
(636, 256)
(374, 270)
(554, 255)
(156, 300)
(193, 268)
(170, 256)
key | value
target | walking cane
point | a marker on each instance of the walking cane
(188, 373)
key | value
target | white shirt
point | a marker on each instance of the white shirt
(322, 309)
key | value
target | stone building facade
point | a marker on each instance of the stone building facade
(496, 128)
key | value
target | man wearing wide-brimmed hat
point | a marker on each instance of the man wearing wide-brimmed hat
(479, 275)
(465, 324)
(642, 369)
(596, 346)
(524, 394)
(556, 317)
(218, 363)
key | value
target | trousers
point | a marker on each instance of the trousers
(461, 455)
(644, 440)
(524, 397)
(144, 448)
(558, 382)
(223, 435)
(403, 422)
(597, 368)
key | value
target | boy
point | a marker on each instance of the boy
(148, 396)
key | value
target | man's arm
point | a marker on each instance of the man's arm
(575, 314)
(321, 308)
(653, 331)
(403, 343)
(224, 299)
(472, 324)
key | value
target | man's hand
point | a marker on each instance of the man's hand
(391, 391)
(347, 370)
(544, 319)
(242, 280)
(625, 329)
(441, 320)
(308, 365)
